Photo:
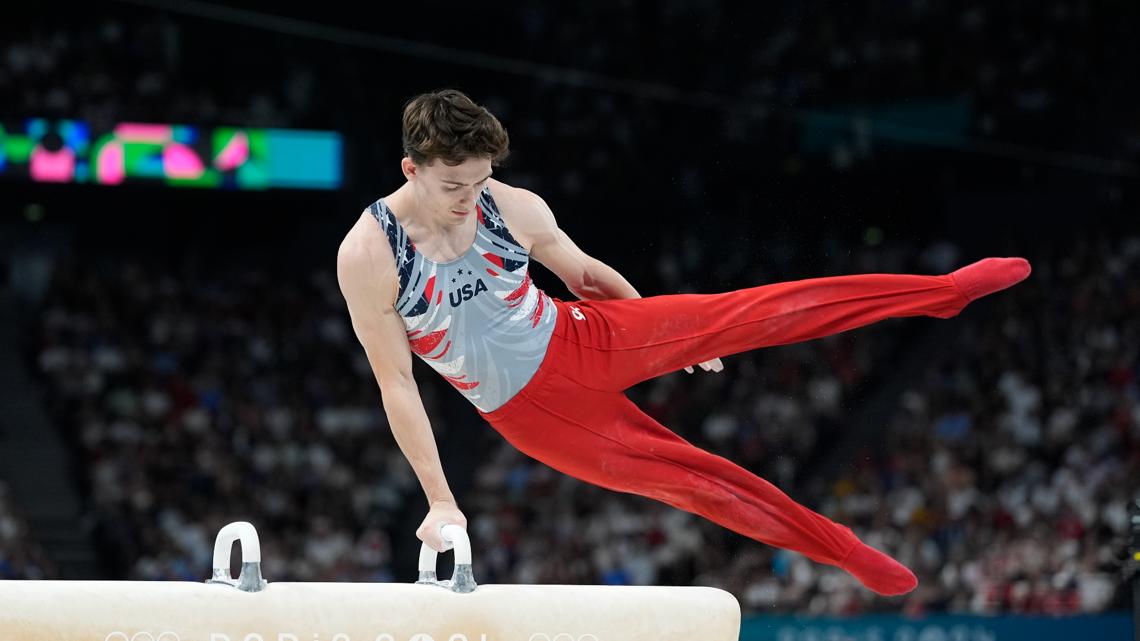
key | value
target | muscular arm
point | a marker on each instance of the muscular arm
(369, 284)
(600, 281)
(587, 277)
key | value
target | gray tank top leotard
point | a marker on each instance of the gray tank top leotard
(477, 320)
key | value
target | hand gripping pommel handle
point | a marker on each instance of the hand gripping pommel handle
(462, 580)
(249, 579)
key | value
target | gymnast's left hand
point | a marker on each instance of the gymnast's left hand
(709, 366)
(440, 514)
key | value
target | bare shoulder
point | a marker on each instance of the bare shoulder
(366, 270)
(525, 213)
(365, 266)
(517, 199)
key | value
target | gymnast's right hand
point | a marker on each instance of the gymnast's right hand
(441, 512)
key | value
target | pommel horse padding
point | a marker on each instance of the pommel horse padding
(251, 609)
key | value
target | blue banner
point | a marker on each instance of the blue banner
(1116, 626)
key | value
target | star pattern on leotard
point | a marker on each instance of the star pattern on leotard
(470, 363)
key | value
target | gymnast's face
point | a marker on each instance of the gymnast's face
(448, 193)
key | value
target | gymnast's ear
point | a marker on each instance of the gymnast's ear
(409, 168)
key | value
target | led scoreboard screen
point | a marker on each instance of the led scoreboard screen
(244, 158)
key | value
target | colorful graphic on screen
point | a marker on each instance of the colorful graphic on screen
(67, 151)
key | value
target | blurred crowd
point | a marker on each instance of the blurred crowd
(194, 401)
(1023, 67)
(1010, 466)
(132, 66)
(21, 557)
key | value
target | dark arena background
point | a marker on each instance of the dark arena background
(176, 354)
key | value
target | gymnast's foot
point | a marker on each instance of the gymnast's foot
(878, 572)
(990, 275)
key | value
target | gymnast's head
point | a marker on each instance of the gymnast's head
(450, 146)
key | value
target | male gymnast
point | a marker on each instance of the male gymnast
(439, 268)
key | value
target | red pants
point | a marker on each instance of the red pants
(574, 417)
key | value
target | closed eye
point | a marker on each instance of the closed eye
(456, 188)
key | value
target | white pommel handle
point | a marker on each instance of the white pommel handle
(223, 545)
(457, 537)
(461, 580)
(249, 580)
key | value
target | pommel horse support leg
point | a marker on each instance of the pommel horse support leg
(250, 609)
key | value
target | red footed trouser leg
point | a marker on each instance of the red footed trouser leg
(624, 342)
(601, 437)
(575, 418)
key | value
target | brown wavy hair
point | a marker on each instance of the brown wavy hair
(448, 125)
